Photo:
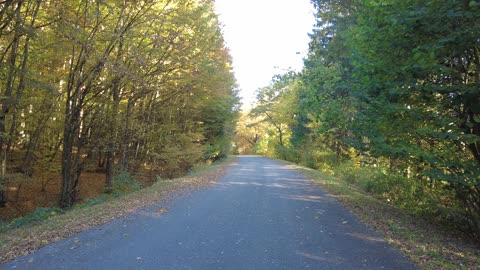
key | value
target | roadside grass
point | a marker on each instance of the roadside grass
(24, 235)
(429, 245)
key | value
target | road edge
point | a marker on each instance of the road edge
(426, 245)
(28, 238)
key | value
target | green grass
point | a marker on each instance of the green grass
(37, 216)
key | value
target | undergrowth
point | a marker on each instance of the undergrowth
(430, 246)
(419, 198)
(124, 183)
(411, 191)
(94, 212)
(40, 214)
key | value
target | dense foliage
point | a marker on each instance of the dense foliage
(119, 84)
(389, 98)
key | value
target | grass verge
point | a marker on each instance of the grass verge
(50, 225)
(428, 245)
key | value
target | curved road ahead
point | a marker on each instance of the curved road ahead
(261, 215)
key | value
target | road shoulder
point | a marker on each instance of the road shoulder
(30, 237)
(428, 245)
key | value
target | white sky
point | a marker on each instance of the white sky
(264, 37)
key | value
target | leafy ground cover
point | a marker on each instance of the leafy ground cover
(42, 191)
(429, 245)
(23, 235)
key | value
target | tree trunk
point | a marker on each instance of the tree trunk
(29, 158)
(280, 136)
(10, 80)
(110, 156)
(68, 167)
(56, 148)
(3, 197)
(7, 95)
(3, 192)
(21, 83)
(116, 88)
(124, 145)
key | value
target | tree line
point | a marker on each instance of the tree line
(389, 98)
(119, 84)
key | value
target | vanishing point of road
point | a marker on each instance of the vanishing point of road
(261, 215)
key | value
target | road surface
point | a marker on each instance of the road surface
(261, 215)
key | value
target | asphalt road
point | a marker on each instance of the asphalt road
(261, 215)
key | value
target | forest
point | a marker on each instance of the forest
(108, 90)
(389, 99)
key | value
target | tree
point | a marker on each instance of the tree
(18, 22)
(275, 106)
(417, 81)
(248, 133)
(394, 85)
(112, 82)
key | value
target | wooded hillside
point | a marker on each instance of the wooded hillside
(114, 85)
(389, 99)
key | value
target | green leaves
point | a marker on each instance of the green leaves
(476, 118)
(137, 81)
(395, 84)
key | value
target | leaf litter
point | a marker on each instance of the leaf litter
(26, 239)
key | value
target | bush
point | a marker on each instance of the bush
(417, 195)
(306, 159)
(397, 189)
(349, 172)
(125, 183)
(38, 215)
(286, 153)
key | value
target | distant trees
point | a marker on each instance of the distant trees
(115, 83)
(276, 106)
(395, 86)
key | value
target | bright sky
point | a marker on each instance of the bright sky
(264, 37)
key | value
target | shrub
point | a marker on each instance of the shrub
(125, 183)
(38, 215)
(286, 153)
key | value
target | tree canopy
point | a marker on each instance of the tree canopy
(120, 84)
(392, 85)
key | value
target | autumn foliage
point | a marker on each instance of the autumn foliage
(115, 86)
